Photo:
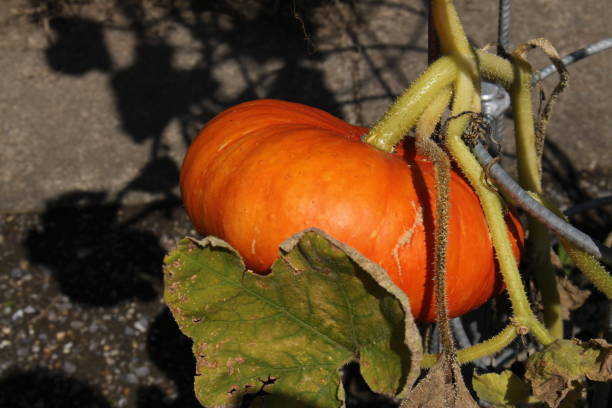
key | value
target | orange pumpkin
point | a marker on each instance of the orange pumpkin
(261, 171)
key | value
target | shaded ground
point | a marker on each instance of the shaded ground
(99, 100)
(82, 319)
(106, 94)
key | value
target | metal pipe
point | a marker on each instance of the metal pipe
(543, 214)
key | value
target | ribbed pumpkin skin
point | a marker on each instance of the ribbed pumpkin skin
(261, 171)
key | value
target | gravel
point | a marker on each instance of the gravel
(58, 349)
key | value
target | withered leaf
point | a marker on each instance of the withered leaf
(571, 296)
(443, 387)
(564, 365)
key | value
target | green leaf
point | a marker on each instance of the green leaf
(563, 366)
(292, 329)
(505, 389)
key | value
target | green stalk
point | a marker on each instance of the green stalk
(405, 111)
(528, 160)
(538, 248)
(591, 268)
(450, 31)
(493, 210)
(495, 69)
(453, 39)
(486, 348)
(586, 263)
(402, 114)
(432, 114)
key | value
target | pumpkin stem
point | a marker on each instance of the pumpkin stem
(404, 112)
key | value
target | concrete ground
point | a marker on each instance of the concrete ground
(98, 102)
(104, 98)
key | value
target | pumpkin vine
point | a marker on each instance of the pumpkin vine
(461, 68)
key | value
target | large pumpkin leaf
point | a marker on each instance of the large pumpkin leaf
(290, 331)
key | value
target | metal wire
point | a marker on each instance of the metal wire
(511, 187)
(575, 56)
(543, 214)
(503, 42)
(463, 341)
(503, 27)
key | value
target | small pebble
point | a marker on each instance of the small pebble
(16, 273)
(76, 324)
(141, 325)
(17, 315)
(60, 335)
(142, 371)
(131, 378)
(29, 309)
(22, 335)
(69, 367)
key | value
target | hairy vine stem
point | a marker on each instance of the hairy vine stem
(460, 68)
(464, 100)
(442, 168)
(486, 348)
(403, 114)
(459, 72)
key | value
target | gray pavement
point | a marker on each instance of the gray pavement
(100, 101)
